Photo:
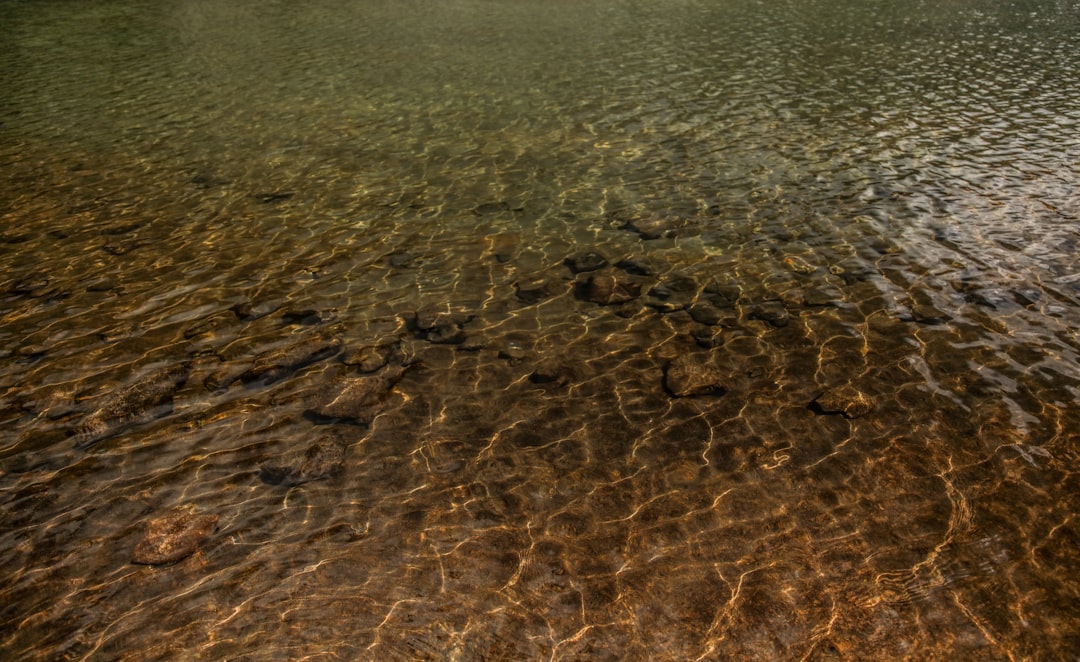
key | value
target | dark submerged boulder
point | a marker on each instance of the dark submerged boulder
(675, 292)
(553, 371)
(587, 261)
(636, 266)
(323, 459)
(444, 328)
(772, 312)
(606, 289)
(706, 313)
(308, 316)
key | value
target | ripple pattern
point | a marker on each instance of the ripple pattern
(511, 331)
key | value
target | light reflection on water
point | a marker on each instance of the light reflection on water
(310, 269)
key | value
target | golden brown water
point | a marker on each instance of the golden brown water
(517, 331)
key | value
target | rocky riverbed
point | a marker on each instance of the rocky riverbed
(521, 331)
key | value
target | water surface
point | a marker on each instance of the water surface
(417, 299)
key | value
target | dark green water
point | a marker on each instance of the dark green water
(818, 398)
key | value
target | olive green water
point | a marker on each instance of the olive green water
(853, 225)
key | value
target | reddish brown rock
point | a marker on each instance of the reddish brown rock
(173, 537)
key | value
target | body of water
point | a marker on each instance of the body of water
(517, 330)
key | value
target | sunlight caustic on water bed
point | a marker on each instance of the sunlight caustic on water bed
(507, 330)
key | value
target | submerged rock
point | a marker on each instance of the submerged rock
(497, 206)
(223, 377)
(14, 237)
(400, 260)
(124, 247)
(355, 399)
(537, 289)
(447, 328)
(845, 400)
(553, 371)
(606, 289)
(145, 400)
(707, 336)
(1027, 297)
(35, 285)
(173, 537)
(252, 310)
(119, 332)
(636, 266)
(204, 329)
(371, 357)
(271, 197)
(772, 312)
(323, 459)
(588, 261)
(503, 246)
(513, 352)
(277, 364)
(32, 351)
(652, 228)
(308, 316)
(822, 297)
(799, 265)
(924, 314)
(704, 312)
(99, 283)
(675, 292)
(52, 404)
(694, 374)
(722, 294)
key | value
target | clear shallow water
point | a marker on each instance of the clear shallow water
(828, 198)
